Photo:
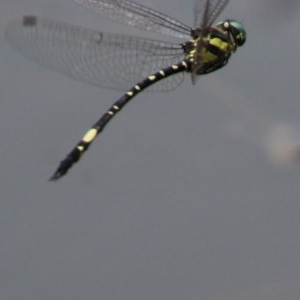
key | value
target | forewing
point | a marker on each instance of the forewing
(102, 59)
(137, 15)
(207, 11)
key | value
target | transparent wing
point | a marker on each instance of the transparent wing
(206, 12)
(137, 15)
(102, 59)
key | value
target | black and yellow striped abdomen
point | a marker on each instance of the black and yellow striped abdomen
(94, 131)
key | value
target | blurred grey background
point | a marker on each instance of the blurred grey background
(190, 194)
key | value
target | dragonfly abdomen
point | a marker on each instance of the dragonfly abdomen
(93, 132)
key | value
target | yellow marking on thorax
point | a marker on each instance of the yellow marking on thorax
(224, 46)
(207, 56)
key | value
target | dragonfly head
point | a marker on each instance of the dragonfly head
(236, 30)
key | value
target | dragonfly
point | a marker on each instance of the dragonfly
(119, 61)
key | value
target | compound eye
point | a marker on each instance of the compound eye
(240, 39)
(237, 30)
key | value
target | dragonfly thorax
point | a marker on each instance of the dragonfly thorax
(211, 49)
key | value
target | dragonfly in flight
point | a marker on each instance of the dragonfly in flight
(118, 61)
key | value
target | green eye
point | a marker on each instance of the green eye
(239, 32)
(236, 29)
